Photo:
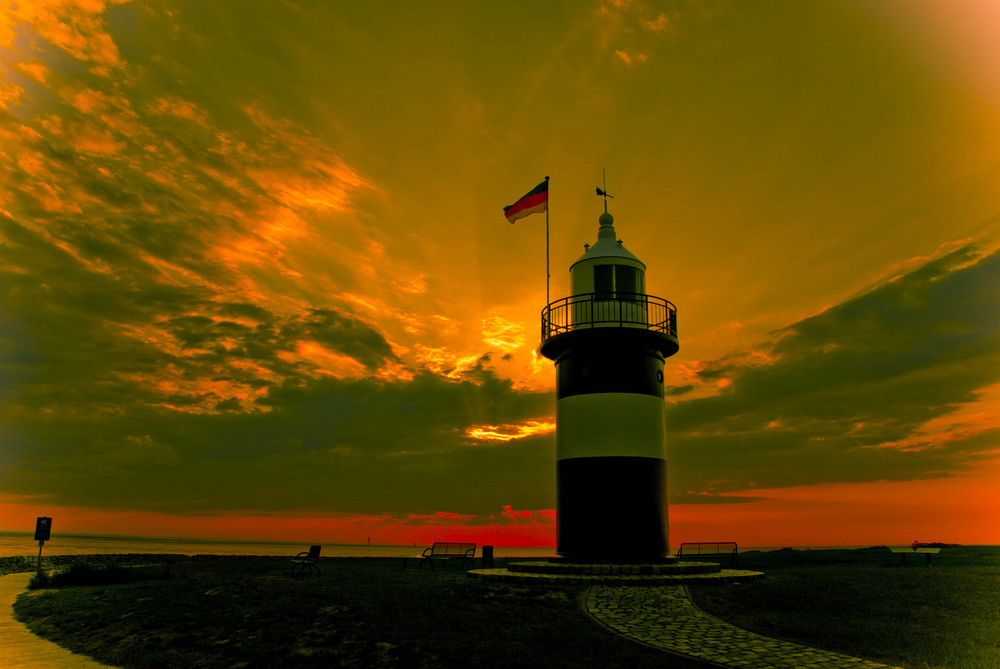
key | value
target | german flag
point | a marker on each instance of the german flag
(535, 202)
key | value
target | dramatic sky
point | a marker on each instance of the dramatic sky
(256, 281)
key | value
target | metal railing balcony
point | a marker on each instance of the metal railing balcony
(622, 310)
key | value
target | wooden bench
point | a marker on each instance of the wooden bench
(903, 551)
(703, 549)
(306, 561)
(443, 551)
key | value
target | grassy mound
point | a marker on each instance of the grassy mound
(359, 613)
(865, 603)
(22, 563)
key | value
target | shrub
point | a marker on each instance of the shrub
(39, 580)
(82, 573)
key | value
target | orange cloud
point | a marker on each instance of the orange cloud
(510, 432)
(502, 334)
(394, 371)
(171, 273)
(87, 139)
(201, 393)
(261, 237)
(659, 24)
(617, 5)
(87, 100)
(54, 201)
(414, 285)
(75, 26)
(9, 95)
(324, 361)
(179, 107)
(324, 191)
(32, 163)
(320, 180)
(444, 362)
(36, 71)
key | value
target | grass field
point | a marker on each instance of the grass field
(865, 603)
(370, 612)
(359, 613)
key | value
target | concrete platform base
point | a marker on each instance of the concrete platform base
(568, 573)
(665, 559)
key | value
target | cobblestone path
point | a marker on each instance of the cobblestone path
(664, 617)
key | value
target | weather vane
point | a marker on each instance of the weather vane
(604, 193)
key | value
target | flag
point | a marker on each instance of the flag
(535, 202)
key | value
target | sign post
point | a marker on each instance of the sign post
(43, 530)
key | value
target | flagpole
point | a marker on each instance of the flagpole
(547, 302)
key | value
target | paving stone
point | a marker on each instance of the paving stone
(663, 616)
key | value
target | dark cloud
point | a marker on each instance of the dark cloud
(335, 446)
(348, 335)
(848, 390)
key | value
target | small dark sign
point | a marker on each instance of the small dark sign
(43, 527)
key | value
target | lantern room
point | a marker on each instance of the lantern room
(607, 268)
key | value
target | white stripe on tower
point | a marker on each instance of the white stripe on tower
(603, 424)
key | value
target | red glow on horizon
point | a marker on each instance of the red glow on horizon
(534, 531)
(845, 514)
(852, 514)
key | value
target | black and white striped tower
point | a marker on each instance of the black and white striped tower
(609, 340)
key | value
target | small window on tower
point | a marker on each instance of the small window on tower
(626, 280)
(604, 282)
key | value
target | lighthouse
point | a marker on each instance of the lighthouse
(609, 340)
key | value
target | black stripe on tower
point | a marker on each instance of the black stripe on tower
(611, 509)
(590, 369)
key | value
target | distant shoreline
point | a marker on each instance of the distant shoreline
(13, 564)
(13, 544)
(26, 563)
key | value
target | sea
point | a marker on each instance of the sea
(14, 544)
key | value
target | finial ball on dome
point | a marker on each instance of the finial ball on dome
(606, 219)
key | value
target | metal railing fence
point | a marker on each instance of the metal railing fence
(626, 310)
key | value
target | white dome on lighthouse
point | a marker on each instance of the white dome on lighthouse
(607, 266)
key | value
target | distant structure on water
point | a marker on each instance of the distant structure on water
(609, 341)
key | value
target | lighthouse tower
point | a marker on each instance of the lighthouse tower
(609, 341)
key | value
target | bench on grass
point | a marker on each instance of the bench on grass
(708, 549)
(306, 561)
(443, 551)
(903, 551)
